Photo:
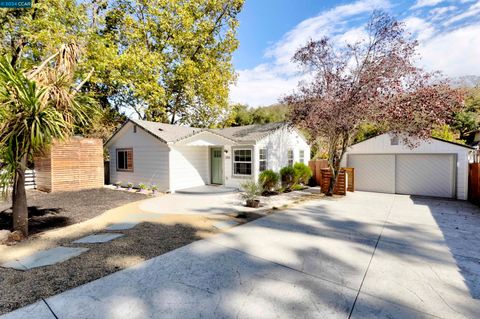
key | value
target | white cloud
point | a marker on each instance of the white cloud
(426, 3)
(440, 12)
(419, 28)
(327, 23)
(267, 83)
(473, 10)
(262, 86)
(454, 51)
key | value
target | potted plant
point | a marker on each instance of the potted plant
(118, 185)
(251, 191)
(130, 186)
(142, 187)
(154, 189)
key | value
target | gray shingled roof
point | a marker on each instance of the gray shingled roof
(246, 133)
(172, 133)
(167, 132)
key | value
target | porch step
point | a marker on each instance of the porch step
(207, 190)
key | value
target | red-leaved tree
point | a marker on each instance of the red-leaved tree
(373, 81)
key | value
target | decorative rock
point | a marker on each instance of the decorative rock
(16, 236)
(225, 224)
(122, 226)
(98, 238)
(4, 235)
(44, 258)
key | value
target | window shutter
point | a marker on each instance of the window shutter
(130, 159)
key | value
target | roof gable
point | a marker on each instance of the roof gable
(169, 134)
(383, 140)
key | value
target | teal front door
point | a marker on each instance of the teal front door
(216, 166)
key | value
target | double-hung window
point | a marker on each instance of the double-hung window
(125, 159)
(242, 162)
(262, 165)
(301, 156)
(290, 157)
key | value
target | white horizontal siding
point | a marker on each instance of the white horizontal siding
(150, 158)
(277, 144)
(189, 166)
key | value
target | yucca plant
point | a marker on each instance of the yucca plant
(35, 110)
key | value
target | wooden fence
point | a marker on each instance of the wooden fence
(70, 165)
(322, 174)
(316, 167)
(474, 183)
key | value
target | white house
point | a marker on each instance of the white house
(433, 168)
(178, 157)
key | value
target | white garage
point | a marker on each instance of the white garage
(433, 168)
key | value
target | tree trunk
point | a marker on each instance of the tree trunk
(19, 199)
(335, 160)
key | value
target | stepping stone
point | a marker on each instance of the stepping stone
(45, 258)
(98, 238)
(122, 226)
(143, 216)
(225, 224)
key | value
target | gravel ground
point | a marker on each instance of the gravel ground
(145, 241)
(53, 210)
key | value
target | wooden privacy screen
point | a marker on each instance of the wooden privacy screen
(474, 183)
(316, 167)
(340, 188)
(71, 165)
(322, 174)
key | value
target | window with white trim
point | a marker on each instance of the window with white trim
(262, 164)
(242, 162)
(290, 157)
(301, 156)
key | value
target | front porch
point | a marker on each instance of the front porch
(207, 190)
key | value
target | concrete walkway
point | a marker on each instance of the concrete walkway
(364, 256)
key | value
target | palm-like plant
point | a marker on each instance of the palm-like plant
(36, 108)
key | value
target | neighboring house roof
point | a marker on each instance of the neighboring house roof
(246, 133)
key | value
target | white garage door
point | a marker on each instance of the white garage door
(374, 173)
(429, 175)
(413, 174)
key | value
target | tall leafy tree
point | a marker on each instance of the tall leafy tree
(37, 107)
(174, 57)
(374, 81)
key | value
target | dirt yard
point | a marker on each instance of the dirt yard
(54, 210)
(155, 235)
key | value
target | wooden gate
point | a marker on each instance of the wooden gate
(474, 183)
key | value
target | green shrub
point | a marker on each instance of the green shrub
(268, 180)
(298, 187)
(153, 187)
(287, 174)
(302, 173)
(142, 186)
(251, 190)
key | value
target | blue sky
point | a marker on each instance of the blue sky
(271, 30)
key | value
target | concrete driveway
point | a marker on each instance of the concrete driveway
(367, 255)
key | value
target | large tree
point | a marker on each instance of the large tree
(174, 57)
(373, 81)
(37, 106)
